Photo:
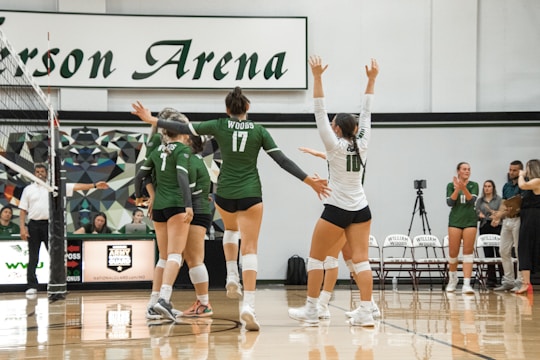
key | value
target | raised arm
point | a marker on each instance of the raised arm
(145, 115)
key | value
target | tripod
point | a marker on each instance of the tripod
(419, 206)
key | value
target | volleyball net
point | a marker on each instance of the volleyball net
(29, 135)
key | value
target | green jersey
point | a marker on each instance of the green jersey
(239, 143)
(166, 161)
(463, 213)
(199, 183)
(9, 229)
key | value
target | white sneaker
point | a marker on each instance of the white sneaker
(452, 283)
(376, 311)
(247, 316)
(363, 316)
(467, 289)
(31, 293)
(234, 289)
(308, 316)
(323, 311)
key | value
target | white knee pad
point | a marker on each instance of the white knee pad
(469, 258)
(198, 274)
(231, 237)
(161, 263)
(452, 260)
(249, 262)
(361, 266)
(176, 258)
(330, 263)
(314, 264)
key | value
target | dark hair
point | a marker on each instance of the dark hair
(196, 143)
(461, 163)
(102, 214)
(236, 102)
(40, 166)
(348, 123)
(518, 163)
(7, 207)
(494, 188)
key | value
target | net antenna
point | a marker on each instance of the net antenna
(29, 134)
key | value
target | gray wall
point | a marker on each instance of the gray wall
(435, 56)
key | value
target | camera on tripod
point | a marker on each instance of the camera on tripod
(420, 184)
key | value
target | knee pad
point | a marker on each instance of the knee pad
(198, 274)
(452, 260)
(249, 262)
(330, 263)
(231, 237)
(314, 264)
(176, 258)
(161, 263)
(469, 258)
(350, 266)
(361, 266)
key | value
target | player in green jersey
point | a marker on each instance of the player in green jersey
(461, 195)
(239, 195)
(172, 209)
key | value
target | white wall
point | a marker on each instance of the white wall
(435, 56)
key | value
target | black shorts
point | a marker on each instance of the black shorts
(344, 218)
(234, 205)
(203, 220)
(163, 215)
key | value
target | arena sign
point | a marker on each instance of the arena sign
(187, 52)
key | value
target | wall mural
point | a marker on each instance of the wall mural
(90, 156)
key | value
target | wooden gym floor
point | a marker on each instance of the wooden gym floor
(424, 324)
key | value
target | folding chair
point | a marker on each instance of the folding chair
(429, 256)
(481, 262)
(402, 245)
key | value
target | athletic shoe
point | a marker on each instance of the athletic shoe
(323, 311)
(247, 316)
(31, 292)
(517, 286)
(151, 314)
(308, 316)
(198, 310)
(467, 289)
(234, 289)
(504, 287)
(376, 311)
(363, 316)
(165, 309)
(452, 283)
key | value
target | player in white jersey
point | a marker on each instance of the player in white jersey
(346, 209)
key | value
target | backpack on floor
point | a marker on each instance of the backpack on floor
(296, 271)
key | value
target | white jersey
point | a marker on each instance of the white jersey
(344, 168)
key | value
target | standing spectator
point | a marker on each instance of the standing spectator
(239, 193)
(8, 227)
(461, 196)
(486, 205)
(34, 206)
(529, 232)
(346, 210)
(510, 229)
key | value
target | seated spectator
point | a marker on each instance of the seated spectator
(8, 227)
(137, 218)
(98, 226)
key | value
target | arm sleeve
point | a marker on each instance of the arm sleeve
(139, 180)
(287, 164)
(176, 126)
(326, 133)
(183, 183)
(364, 126)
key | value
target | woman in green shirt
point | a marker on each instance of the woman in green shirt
(8, 227)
